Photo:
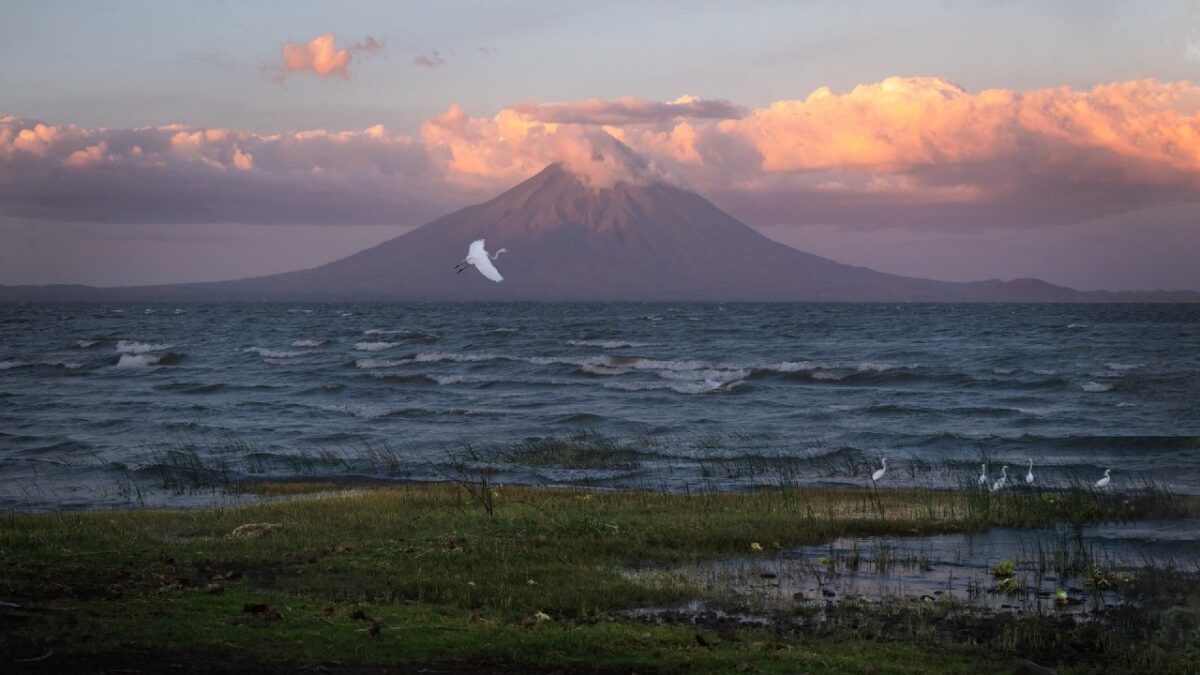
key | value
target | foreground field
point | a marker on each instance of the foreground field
(468, 577)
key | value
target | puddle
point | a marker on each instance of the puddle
(1091, 564)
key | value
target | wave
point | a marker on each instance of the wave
(447, 379)
(411, 335)
(270, 353)
(88, 344)
(374, 346)
(606, 344)
(12, 365)
(1123, 366)
(505, 329)
(377, 363)
(871, 367)
(686, 387)
(311, 342)
(196, 387)
(146, 359)
(134, 347)
(1096, 387)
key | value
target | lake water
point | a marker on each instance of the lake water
(694, 394)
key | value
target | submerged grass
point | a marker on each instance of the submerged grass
(417, 574)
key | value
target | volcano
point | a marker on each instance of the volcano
(568, 241)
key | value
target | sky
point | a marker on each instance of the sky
(148, 142)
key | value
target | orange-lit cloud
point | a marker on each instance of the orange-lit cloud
(904, 151)
(321, 57)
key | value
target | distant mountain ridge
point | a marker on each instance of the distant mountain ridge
(569, 242)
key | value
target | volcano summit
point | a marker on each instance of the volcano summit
(568, 241)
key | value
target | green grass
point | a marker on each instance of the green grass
(445, 578)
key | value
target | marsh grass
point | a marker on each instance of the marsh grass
(424, 557)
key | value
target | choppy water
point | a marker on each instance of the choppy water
(90, 391)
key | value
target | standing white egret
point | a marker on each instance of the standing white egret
(479, 257)
(879, 472)
(1103, 482)
(983, 479)
(999, 484)
(1029, 474)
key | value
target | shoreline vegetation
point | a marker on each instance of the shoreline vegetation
(469, 576)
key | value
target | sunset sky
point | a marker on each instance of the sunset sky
(146, 142)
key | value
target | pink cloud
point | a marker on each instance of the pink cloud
(904, 151)
(321, 57)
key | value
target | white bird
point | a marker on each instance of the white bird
(879, 472)
(999, 484)
(712, 384)
(983, 479)
(1029, 474)
(479, 257)
(1103, 482)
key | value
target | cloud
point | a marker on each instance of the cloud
(914, 152)
(321, 57)
(490, 152)
(431, 60)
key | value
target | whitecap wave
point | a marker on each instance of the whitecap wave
(374, 346)
(447, 379)
(138, 360)
(379, 363)
(791, 366)
(313, 342)
(134, 347)
(678, 387)
(1077, 325)
(270, 353)
(85, 344)
(1095, 387)
(606, 344)
(872, 367)
(1123, 366)
(434, 357)
(9, 365)
(1003, 371)
(505, 329)
(827, 376)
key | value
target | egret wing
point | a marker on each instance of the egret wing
(487, 269)
(477, 250)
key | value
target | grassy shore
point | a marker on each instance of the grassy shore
(466, 577)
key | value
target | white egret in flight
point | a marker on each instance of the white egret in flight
(999, 484)
(879, 472)
(477, 256)
(1103, 482)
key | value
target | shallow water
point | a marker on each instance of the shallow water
(90, 393)
(958, 567)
